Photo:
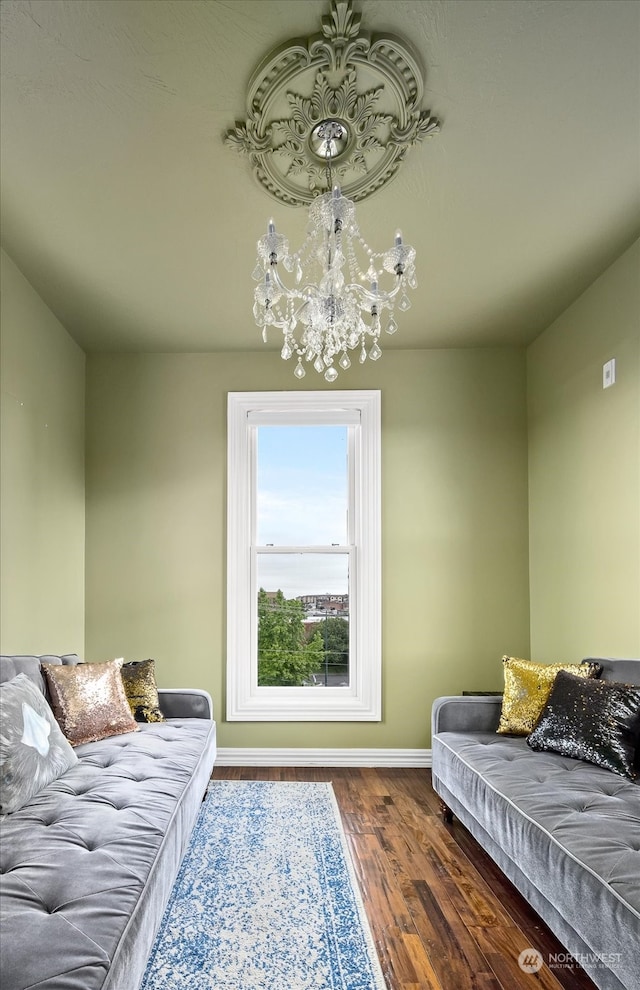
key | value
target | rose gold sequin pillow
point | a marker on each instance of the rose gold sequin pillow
(89, 701)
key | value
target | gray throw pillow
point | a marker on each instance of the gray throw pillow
(33, 750)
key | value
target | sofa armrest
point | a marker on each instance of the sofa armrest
(185, 703)
(466, 713)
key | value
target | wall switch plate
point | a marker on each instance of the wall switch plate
(609, 373)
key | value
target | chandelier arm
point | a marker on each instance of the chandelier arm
(289, 293)
(365, 297)
(311, 290)
(379, 296)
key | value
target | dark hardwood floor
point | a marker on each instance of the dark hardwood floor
(442, 914)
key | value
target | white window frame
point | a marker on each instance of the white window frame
(362, 699)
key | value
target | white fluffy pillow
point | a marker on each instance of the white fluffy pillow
(33, 749)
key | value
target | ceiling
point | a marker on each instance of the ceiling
(137, 225)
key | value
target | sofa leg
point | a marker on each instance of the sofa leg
(446, 812)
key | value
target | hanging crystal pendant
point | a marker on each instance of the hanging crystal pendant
(392, 326)
(405, 303)
(299, 371)
(363, 354)
(375, 351)
(344, 361)
(331, 374)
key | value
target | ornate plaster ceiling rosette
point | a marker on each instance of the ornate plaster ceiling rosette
(372, 85)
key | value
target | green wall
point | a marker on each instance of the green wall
(455, 581)
(584, 474)
(41, 476)
(474, 537)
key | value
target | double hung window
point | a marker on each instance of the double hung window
(303, 565)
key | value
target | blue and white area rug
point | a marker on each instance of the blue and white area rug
(266, 897)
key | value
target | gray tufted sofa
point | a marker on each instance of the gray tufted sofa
(88, 865)
(565, 832)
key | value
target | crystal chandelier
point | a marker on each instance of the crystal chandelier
(342, 295)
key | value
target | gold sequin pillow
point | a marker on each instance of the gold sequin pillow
(88, 700)
(527, 686)
(139, 679)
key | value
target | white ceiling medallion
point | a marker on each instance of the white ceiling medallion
(370, 84)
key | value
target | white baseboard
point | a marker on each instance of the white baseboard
(273, 757)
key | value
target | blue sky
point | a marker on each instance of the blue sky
(302, 500)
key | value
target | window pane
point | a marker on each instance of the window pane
(302, 485)
(303, 620)
(252, 563)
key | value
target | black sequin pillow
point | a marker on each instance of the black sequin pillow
(139, 679)
(592, 720)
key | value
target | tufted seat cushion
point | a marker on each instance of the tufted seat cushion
(87, 866)
(566, 832)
